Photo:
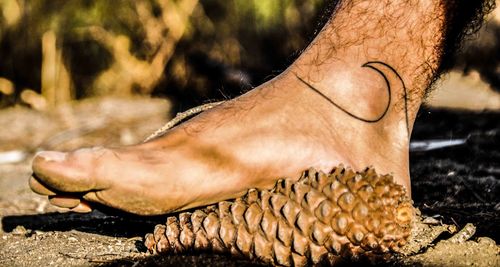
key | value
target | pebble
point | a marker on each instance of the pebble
(431, 220)
(38, 232)
(19, 230)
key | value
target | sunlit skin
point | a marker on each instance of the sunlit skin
(311, 115)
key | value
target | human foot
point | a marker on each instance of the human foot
(277, 130)
(331, 106)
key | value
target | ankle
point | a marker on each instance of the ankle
(371, 94)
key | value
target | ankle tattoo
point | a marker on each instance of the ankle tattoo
(372, 65)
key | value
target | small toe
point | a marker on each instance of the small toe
(39, 188)
(64, 201)
(82, 207)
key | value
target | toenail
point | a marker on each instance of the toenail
(52, 156)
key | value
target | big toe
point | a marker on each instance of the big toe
(66, 172)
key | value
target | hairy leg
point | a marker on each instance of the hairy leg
(351, 98)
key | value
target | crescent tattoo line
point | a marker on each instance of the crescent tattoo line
(382, 115)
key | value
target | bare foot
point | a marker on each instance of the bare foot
(353, 110)
(276, 130)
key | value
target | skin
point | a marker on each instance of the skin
(350, 98)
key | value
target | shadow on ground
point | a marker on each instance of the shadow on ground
(107, 222)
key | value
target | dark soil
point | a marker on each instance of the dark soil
(460, 184)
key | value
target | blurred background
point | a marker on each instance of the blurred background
(186, 50)
(88, 68)
(78, 73)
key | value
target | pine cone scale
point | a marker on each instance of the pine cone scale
(319, 217)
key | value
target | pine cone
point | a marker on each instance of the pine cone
(319, 217)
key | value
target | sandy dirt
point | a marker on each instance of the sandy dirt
(452, 187)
